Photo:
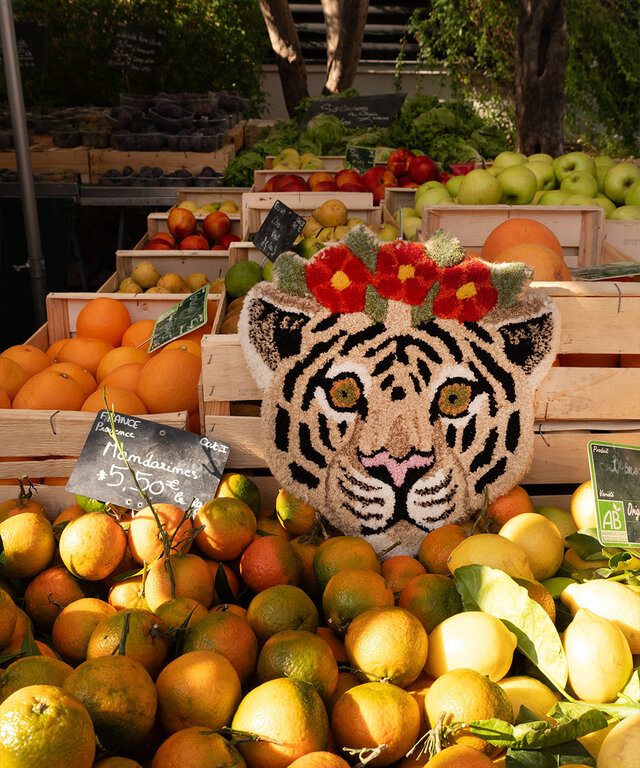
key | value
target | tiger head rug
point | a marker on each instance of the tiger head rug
(398, 380)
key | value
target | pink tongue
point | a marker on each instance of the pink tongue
(397, 469)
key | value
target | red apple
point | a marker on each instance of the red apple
(461, 169)
(444, 177)
(377, 175)
(378, 192)
(326, 186)
(347, 175)
(405, 181)
(398, 161)
(218, 248)
(227, 238)
(195, 242)
(165, 236)
(422, 168)
(181, 222)
(319, 176)
(157, 244)
(357, 187)
(215, 224)
(287, 178)
(268, 187)
(294, 186)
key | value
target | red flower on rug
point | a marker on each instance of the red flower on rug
(466, 293)
(404, 272)
(338, 279)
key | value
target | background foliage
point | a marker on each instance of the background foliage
(474, 41)
(209, 45)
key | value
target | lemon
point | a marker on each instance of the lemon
(574, 559)
(145, 274)
(541, 540)
(241, 278)
(621, 747)
(493, 550)
(610, 599)
(532, 693)
(583, 506)
(561, 517)
(592, 742)
(474, 640)
(598, 657)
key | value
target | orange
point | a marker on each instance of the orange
(68, 514)
(14, 648)
(29, 544)
(54, 348)
(398, 570)
(269, 524)
(74, 625)
(147, 639)
(185, 689)
(32, 670)
(238, 610)
(117, 357)
(191, 576)
(296, 516)
(138, 334)
(335, 643)
(145, 542)
(388, 644)
(188, 345)
(117, 399)
(431, 598)
(229, 526)
(42, 725)
(86, 381)
(5, 402)
(8, 617)
(547, 265)
(233, 581)
(12, 507)
(279, 608)
(169, 382)
(48, 593)
(306, 548)
(518, 230)
(126, 376)
(30, 358)
(197, 748)
(437, 545)
(460, 756)
(239, 486)
(12, 377)
(181, 612)
(343, 552)
(103, 318)
(120, 697)
(128, 594)
(50, 391)
(290, 714)
(512, 503)
(299, 655)
(350, 592)
(373, 714)
(269, 561)
(86, 352)
(92, 546)
(116, 762)
(346, 680)
(22, 623)
(319, 760)
(418, 689)
(228, 634)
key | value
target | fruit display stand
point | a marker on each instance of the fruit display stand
(208, 195)
(329, 162)
(625, 236)
(596, 317)
(74, 161)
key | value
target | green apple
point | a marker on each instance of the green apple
(479, 187)
(552, 197)
(540, 157)
(507, 158)
(633, 195)
(544, 172)
(385, 232)
(312, 164)
(405, 213)
(573, 161)
(495, 170)
(453, 185)
(579, 183)
(626, 212)
(537, 196)
(267, 270)
(411, 227)
(605, 160)
(619, 180)
(578, 199)
(601, 172)
(433, 184)
(189, 205)
(286, 164)
(604, 202)
(431, 197)
(518, 184)
(208, 208)
(308, 246)
(561, 517)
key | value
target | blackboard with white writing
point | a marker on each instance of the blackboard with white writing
(615, 476)
(182, 318)
(278, 231)
(358, 111)
(31, 39)
(172, 466)
(134, 48)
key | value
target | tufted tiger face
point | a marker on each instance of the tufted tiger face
(392, 429)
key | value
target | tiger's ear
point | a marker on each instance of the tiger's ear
(270, 328)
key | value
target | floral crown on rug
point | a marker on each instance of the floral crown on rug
(436, 278)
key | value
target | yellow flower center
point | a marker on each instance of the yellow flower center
(340, 280)
(405, 272)
(466, 291)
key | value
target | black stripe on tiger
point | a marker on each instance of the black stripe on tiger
(451, 435)
(479, 331)
(433, 329)
(402, 343)
(297, 370)
(468, 434)
(324, 432)
(382, 366)
(361, 337)
(512, 436)
(306, 448)
(491, 475)
(433, 502)
(498, 373)
(303, 476)
(486, 454)
(282, 424)
(326, 323)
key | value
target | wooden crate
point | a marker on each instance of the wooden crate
(256, 206)
(596, 317)
(625, 236)
(157, 222)
(204, 195)
(45, 158)
(330, 162)
(235, 136)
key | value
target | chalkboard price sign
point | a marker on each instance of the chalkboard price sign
(134, 48)
(360, 158)
(357, 111)
(615, 476)
(278, 231)
(184, 317)
(172, 466)
(31, 40)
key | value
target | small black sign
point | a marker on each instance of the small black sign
(357, 111)
(134, 48)
(31, 43)
(360, 158)
(183, 317)
(278, 231)
(172, 466)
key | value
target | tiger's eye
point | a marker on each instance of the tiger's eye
(345, 392)
(454, 399)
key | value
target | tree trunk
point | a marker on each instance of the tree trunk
(345, 21)
(540, 61)
(286, 45)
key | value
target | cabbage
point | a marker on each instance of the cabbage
(327, 130)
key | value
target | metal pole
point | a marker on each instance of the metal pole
(35, 261)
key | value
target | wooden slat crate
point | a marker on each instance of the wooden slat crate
(43, 158)
(330, 162)
(625, 236)
(205, 195)
(256, 206)
(596, 317)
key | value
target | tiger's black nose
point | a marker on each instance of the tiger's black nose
(398, 393)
